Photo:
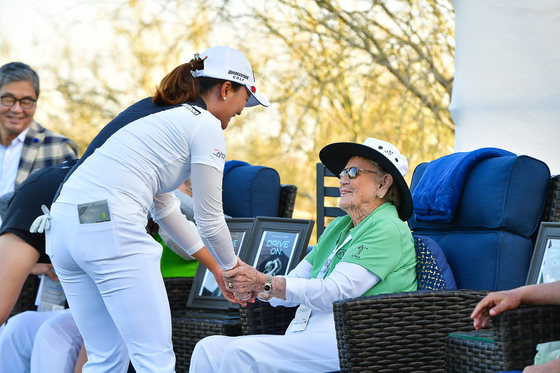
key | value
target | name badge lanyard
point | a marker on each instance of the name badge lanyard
(327, 265)
(303, 313)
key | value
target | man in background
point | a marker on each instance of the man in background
(25, 146)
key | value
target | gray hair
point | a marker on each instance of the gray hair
(19, 72)
(393, 192)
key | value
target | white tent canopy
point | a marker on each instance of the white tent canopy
(506, 92)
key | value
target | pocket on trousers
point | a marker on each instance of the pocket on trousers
(98, 241)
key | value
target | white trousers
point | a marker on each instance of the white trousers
(292, 353)
(40, 342)
(111, 275)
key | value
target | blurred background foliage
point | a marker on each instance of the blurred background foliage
(333, 70)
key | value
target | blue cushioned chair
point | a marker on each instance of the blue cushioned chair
(488, 243)
(250, 191)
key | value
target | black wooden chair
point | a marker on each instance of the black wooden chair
(332, 193)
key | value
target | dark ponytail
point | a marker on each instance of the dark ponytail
(179, 85)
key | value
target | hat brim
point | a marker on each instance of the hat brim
(335, 157)
(256, 99)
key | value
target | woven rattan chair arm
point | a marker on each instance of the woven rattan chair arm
(401, 331)
(517, 333)
(261, 318)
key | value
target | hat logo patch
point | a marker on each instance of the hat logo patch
(238, 75)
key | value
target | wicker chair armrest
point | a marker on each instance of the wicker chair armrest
(552, 207)
(401, 331)
(517, 333)
(262, 318)
(178, 290)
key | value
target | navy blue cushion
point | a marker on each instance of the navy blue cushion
(432, 270)
(485, 260)
(250, 191)
(506, 193)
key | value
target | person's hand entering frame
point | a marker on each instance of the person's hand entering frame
(44, 269)
(494, 304)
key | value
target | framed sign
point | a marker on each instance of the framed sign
(278, 244)
(545, 263)
(205, 293)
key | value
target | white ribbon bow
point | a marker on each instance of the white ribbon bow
(42, 223)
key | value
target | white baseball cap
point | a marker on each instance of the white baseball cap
(230, 64)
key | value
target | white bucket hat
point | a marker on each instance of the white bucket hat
(230, 64)
(335, 157)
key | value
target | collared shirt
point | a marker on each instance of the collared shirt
(9, 161)
(382, 244)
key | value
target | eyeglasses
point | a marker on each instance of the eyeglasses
(25, 103)
(352, 172)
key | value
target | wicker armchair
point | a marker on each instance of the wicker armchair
(509, 345)
(401, 332)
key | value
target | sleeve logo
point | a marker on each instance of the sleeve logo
(218, 154)
(360, 249)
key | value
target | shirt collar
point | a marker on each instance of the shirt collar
(21, 136)
(198, 102)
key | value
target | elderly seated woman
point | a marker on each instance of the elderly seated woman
(369, 251)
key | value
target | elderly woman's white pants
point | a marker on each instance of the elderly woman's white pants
(111, 275)
(40, 342)
(295, 352)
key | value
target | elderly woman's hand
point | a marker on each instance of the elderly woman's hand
(244, 279)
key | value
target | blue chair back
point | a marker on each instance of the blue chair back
(250, 191)
(488, 244)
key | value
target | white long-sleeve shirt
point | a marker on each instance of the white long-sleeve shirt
(140, 166)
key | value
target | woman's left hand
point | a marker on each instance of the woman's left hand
(221, 284)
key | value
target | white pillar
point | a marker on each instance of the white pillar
(506, 92)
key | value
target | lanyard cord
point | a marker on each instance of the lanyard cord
(327, 265)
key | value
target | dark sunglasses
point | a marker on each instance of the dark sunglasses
(352, 172)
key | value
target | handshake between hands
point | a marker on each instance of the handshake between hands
(241, 284)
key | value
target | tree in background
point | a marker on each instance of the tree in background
(347, 70)
(335, 71)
